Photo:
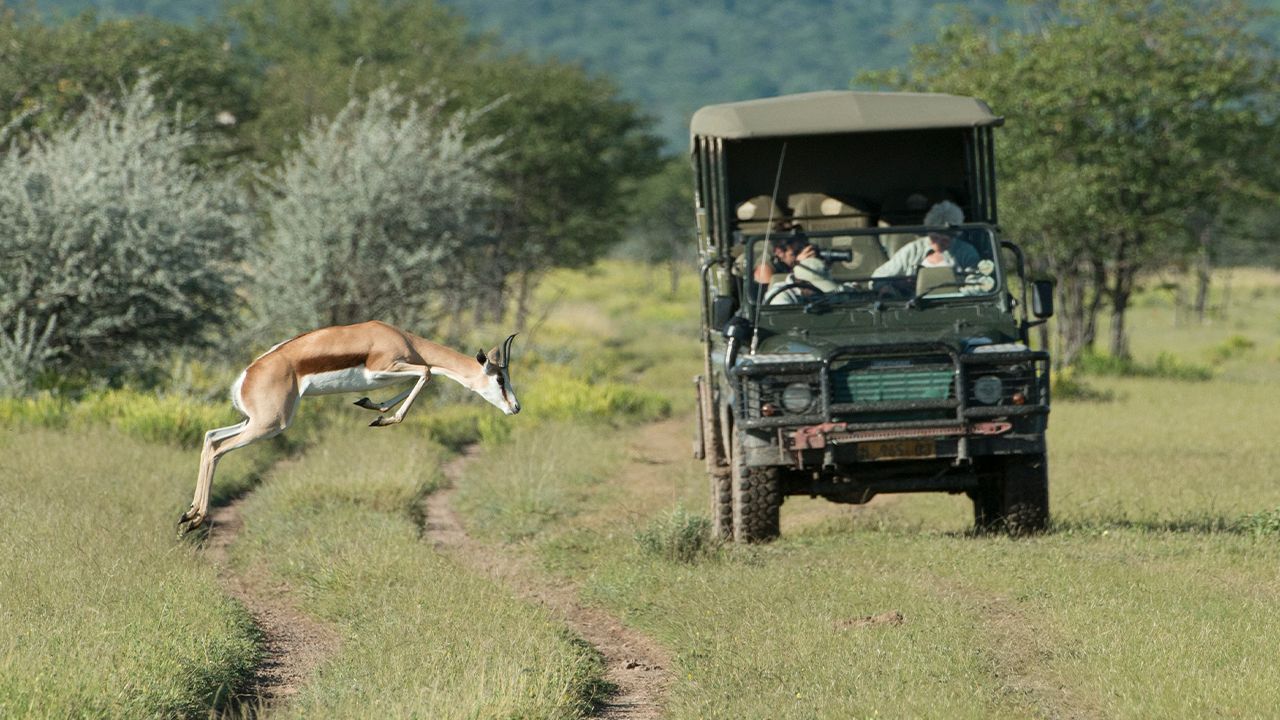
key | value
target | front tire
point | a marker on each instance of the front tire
(1012, 495)
(757, 501)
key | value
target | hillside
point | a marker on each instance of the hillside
(673, 57)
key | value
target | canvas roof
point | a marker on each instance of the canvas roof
(837, 111)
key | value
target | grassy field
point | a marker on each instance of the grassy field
(1154, 594)
(420, 636)
(102, 614)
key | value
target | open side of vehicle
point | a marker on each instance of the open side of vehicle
(885, 374)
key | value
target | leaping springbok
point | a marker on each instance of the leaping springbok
(338, 359)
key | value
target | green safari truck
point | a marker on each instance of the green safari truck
(865, 326)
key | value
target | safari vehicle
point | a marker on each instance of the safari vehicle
(919, 382)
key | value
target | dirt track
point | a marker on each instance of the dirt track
(638, 669)
(293, 643)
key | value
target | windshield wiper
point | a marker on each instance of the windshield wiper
(915, 301)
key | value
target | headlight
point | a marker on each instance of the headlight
(797, 397)
(988, 389)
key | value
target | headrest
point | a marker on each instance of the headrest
(758, 209)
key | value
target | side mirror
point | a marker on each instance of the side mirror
(1042, 299)
(721, 311)
(737, 331)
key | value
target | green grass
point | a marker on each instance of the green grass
(102, 612)
(1153, 596)
(421, 636)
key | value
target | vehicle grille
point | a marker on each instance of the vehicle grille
(863, 386)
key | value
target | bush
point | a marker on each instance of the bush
(114, 244)
(558, 393)
(1065, 384)
(678, 536)
(1166, 365)
(1259, 524)
(378, 215)
(170, 420)
(1232, 347)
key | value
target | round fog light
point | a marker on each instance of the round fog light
(797, 397)
(988, 389)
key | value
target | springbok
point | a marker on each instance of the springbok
(338, 359)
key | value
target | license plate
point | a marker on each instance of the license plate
(904, 449)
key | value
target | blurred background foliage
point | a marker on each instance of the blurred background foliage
(1157, 117)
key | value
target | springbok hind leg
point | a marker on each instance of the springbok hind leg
(217, 443)
(193, 518)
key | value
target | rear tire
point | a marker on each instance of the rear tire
(718, 472)
(1012, 495)
(721, 506)
(757, 501)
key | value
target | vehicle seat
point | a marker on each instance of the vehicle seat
(816, 211)
(753, 215)
(932, 276)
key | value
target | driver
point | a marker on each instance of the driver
(937, 248)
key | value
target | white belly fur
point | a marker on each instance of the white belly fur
(355, 379)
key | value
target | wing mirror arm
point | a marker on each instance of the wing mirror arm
(737, 332)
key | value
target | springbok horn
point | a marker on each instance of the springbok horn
(506, 349)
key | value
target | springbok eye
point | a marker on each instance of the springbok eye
(500, 382)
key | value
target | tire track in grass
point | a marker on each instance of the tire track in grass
(637, 668)
(1020, 654)
(293, 644)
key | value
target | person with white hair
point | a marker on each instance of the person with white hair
(937, 248)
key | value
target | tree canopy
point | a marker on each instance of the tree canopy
(1125, 120)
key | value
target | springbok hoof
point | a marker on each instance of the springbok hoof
(379, 422)
(365, 403)
(189, 521)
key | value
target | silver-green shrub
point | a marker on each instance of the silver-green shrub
(114, 247)
(379, 214)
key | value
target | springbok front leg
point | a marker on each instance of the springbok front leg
(367, 404)
(424, 375)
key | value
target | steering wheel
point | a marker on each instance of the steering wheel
(793, 285)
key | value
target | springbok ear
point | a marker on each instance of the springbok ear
(480, 358)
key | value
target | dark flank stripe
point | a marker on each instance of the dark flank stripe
(329, 363)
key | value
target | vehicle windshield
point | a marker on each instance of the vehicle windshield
(917, 266)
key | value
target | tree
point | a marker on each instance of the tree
(50, 73)
(1123, 118)
(661, 228)
(115, 246)
(316, 55)
(572, 148)
(381, 213)
(569, 143)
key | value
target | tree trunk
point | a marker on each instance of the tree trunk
(1121, 291)
(1071, 314)
(1204, 269)
(525, 284)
